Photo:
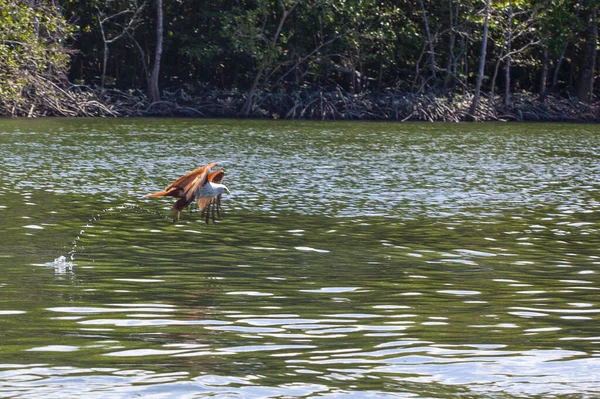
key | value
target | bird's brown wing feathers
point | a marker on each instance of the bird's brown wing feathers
(188, 178)
(184, 187)
(188, 191)
(203, 202)
(216, 176)
(171, 192)
(197, 178)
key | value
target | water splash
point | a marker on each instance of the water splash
(64, 264)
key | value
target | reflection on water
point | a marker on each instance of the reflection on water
(352, 260)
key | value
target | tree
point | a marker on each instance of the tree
(545, 57)
(559, 27)
(585, 88)
(125, 20)
(270, 52)
(451, 67)
(33, 58)
(153, 90)
(509, 38)
(515, 21)
(429, 44)
(477, 93)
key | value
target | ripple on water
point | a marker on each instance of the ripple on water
(54, 348)
(459, 292)
(330, 290)
(310, 249)
(118, 308)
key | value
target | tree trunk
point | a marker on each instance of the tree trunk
(585, 89)
(104, 62)
(495, 75)
(153, 90)
(558, 64)
(545, 62)
(250, 100)
(104, 55)
(544, 77)
(429, 44)
(563, 53)
(508, 57)
(477, 93)
(451, 67)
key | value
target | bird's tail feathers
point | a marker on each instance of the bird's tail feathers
(158, 194)
(171, 192)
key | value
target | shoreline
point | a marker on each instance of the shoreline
(316, 105)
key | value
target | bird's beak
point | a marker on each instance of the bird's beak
(228, 192)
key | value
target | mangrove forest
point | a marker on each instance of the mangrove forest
(447, 60)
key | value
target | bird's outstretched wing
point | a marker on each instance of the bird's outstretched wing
(190, 183)
(171, 192)
(184, 187)
(189, 179)
(216, 176)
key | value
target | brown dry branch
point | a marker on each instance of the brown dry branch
(48, 98)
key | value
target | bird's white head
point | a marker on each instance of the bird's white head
(220, 188)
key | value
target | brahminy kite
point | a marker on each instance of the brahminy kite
(198, 185)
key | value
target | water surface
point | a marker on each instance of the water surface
(353, 260)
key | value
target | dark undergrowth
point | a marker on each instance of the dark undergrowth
(313, 104)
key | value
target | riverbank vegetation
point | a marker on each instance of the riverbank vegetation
(294, 59)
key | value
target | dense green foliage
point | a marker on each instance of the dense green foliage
(32, 53)
(299, 46)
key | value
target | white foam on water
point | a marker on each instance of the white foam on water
(61, 265)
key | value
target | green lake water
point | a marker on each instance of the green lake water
(352, 260)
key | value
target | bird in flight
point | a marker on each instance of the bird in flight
(198, 185)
